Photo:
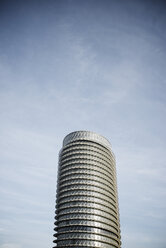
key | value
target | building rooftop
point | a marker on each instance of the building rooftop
(86, 135)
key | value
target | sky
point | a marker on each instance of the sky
(72, 65)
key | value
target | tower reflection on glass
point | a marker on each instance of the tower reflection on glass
(87, 212)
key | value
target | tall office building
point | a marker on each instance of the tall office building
(87, 203)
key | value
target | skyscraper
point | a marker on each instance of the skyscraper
(87, 203)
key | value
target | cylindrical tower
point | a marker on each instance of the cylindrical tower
(87, 203)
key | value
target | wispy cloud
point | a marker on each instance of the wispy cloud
(10, 245)
(70, 65)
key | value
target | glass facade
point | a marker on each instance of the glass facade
(87, 212)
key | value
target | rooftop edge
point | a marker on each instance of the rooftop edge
(86, 135)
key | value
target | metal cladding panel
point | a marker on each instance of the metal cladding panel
(86, 135)
(87, 212)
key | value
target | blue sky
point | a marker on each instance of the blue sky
(82, 65)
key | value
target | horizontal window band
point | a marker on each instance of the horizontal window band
(87, 204)
(87, 229)
(86, 167)
(87, 145)
(83, 184)
(73, 201)
(83, 216)
(101, 220)
(99, 224)
(87, 176)
(87, 198)
(91, 144)
(87, 159)
(111, 237)
(88, 150)
(87, 181)
(98, 212)
(86, 172)
(97, 195)
(91, 191)
(87, 163)
(90, 156)
(71, 209)
(87, 236)
(96, 244)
